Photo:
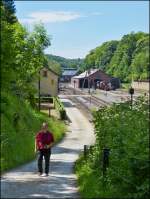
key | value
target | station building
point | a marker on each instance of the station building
(95, 78)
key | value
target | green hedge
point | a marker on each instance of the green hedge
(60, 107)
(126, 133)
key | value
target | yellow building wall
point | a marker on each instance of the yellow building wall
(49, 84)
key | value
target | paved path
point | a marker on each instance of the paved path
(23, 182)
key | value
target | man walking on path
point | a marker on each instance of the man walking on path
(43, 143)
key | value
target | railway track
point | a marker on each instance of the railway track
(90, 98)
(97, 101)
(82, 107)
(83, 101)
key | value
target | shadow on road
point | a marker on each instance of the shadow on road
(68, 104)
(52, 187)
(60, 149)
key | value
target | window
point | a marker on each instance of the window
(45, 73)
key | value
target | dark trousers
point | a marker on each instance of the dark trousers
(46, 154)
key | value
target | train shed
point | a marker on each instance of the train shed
(67, 74)
(94, 78)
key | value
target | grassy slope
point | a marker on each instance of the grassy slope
(17, 135)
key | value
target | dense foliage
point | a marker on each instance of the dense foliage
(66, 63)
(60, 108)
(126, 133)
(101, 56)
(126, 59)
(22, 56)
(22, 52)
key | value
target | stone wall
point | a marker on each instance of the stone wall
(141, 85)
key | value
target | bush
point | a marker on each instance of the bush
(60, 107)
(125, 133)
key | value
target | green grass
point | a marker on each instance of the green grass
(91, 182)
(19, 124)
(87, 179)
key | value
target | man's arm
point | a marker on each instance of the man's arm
(51, 144)
(35, 148)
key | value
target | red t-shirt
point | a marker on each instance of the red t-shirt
(43, 139)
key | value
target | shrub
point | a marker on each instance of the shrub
(125, 133)
(60, 107)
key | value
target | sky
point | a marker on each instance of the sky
(76, 27)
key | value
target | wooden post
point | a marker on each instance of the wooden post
(74, 85)
(105, 159)
(85, 151)
(39, 92)
(89, 82)
(49, 114)
(131, 92)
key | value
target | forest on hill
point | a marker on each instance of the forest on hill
(64, 62)
(126, 59)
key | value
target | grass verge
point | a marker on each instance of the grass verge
(19, 124)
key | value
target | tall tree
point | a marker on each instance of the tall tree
(22, 53)
(29, 48)
(125, 59)
(7, 47)
(10, 11)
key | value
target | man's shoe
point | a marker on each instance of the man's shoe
(39, 173)
(44, 175)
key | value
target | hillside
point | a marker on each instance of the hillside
(65, 63)
(19, 125)
(126, 59)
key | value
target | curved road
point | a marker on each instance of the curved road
(23, 181)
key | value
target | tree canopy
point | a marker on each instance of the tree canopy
(64, 62)
(22, 52)
(126, 59)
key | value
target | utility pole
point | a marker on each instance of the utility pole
(89, 82)
(74, 82)
(84, 79)
(39, 92)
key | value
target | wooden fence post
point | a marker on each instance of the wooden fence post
(105, 159)
(49, 114)
(85, 151)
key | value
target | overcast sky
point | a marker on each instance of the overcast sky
(76, 27)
